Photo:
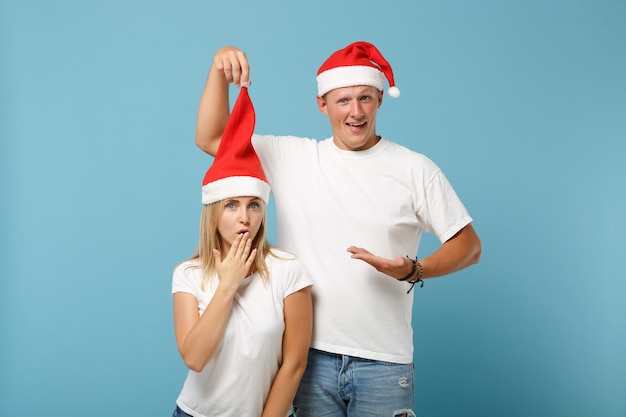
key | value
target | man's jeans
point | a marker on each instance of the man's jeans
(338, 385)
(179, 413)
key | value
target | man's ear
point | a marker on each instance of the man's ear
(321, 104)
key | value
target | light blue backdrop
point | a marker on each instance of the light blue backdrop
(522, 103)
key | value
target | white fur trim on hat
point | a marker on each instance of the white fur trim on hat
(349, 76)
(230, 187)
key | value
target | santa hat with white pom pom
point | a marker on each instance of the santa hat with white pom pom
(359, 63)
(236, 169)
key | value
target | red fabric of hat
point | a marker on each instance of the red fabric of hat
(236, 170)
(359, 63)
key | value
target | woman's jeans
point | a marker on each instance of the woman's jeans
(338, 385)
(180, 413)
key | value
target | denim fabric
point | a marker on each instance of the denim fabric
(339, 385)
(179, 413)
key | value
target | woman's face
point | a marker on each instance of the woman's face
(240, 215)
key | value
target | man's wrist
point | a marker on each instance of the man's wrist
(418, 271)
(413, 269)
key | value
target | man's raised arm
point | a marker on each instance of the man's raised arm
(230, 65)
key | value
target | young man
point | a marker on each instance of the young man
(352, 207)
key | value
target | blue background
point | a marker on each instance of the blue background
(522, 103)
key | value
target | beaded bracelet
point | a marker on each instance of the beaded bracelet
(417, 266)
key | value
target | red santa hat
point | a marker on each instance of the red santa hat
(359, 63)
(236, 170)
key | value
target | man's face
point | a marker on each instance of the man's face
(352, 114)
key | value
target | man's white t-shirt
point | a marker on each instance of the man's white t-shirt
(381, 199)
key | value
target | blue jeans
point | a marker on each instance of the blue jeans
(180, 413)
(338, 385)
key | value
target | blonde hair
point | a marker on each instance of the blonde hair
(210, 239)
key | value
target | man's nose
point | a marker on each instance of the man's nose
(357, 111)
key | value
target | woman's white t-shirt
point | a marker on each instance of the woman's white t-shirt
(237, 380)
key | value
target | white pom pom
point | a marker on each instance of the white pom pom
(393, 92)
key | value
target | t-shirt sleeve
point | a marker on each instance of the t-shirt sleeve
(296, 277)
(267, 149)
(443, 211)
(183, 279)
(273, 151)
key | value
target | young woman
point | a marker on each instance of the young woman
(242, 309)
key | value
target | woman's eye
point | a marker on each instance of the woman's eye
(230, 206)
(254, 205)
